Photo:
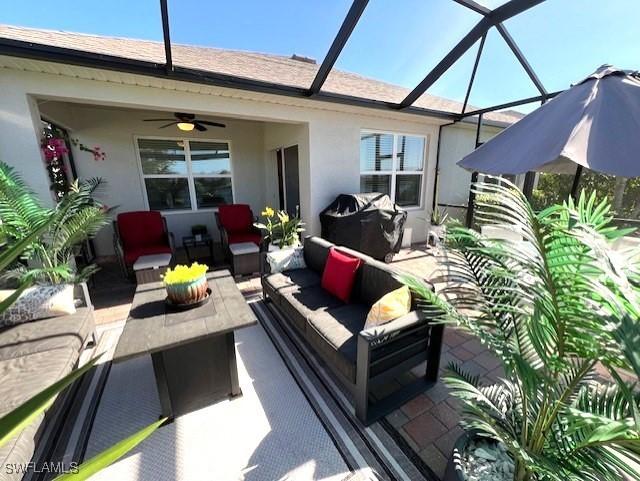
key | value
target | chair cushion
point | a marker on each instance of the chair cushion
(131, 255)
(239, 237)
(333, 333)
(47, 334)
(339, 274)
(235, 217)
(298, 304)
(141, 228)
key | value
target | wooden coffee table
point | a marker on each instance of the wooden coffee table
(193, 351)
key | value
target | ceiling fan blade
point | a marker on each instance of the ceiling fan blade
(167, 125)
(213, 124)
(199, 127)
(184, 116)
(156, 120)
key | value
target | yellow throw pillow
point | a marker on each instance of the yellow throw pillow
(391, 306)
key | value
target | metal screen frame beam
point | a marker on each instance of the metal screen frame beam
(164, 12)
(475, 6)
(499, 15)
(346, 29)
(521, 58)
(473, 73)
(515, 103)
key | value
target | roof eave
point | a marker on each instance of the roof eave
(35, 51)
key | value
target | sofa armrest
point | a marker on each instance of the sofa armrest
(378, 335)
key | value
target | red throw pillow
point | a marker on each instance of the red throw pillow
(339, 274)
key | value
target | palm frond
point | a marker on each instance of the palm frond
(550, 306)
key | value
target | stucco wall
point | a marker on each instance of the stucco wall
(328, 134)
(457, 141)
(114, 130)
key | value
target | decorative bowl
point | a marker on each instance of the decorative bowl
(187, 292)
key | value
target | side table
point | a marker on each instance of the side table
(189, 242)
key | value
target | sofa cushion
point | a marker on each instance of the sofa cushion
(38, 302)
(334, 334)
(25, 376)
(376, 280)
(300, 278)
(19, 450)
(297, 305)
(46, 334)
(236, 217)
(339, 274)
(391, 306)
(22, 378)
(316, 251)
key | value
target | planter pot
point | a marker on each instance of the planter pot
(275, 247)
(455, 471)
(188, 292)
(436, 234)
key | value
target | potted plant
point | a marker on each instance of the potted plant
(186, 285)
(49, 261)
(556, 308)
(437, 226)
(281, 230)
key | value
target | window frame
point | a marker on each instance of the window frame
(189, 175)
(394, 172)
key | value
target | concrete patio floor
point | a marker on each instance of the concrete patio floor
(428, 423)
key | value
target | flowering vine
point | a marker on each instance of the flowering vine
(96, 151)
(54, 149)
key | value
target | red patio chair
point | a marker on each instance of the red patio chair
(235, 223)
(138, 234)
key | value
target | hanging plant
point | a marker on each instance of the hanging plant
(54, 149)
(96, 151)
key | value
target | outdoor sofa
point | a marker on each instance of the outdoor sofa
(360, 359)
(33, 356)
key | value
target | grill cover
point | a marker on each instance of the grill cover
(370, 223)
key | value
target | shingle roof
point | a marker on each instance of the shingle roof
(251, 65)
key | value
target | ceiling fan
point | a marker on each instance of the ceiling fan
(186, 122)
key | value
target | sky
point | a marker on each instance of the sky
(397, 41)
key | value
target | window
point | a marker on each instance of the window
(186, 174)
(392, 164)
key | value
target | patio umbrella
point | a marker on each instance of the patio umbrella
(595, 124)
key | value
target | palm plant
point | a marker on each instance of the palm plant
(77, 217)
(16, 420)
(552, 307)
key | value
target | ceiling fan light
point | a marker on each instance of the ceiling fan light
(186, 126)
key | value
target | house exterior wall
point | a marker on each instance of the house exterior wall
(328, 135)
(456, 141)
(115, 131)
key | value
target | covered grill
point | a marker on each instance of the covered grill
(370, 223)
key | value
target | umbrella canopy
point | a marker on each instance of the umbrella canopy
(595, 124)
